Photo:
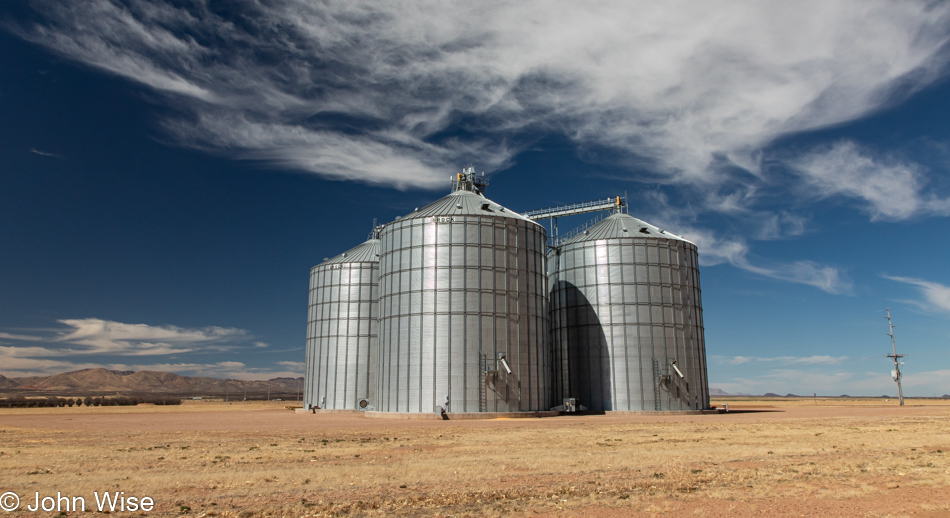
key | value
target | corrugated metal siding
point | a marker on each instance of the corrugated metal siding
(620, 300)
(458, 286)
(342, 329)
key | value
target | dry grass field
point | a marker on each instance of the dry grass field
(768, 458)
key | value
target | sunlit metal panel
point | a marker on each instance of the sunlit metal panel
(341, 366)
(479, 269)
(625, 304)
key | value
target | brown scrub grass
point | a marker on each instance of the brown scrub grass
(204, 459)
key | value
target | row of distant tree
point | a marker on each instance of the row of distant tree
(51, 402)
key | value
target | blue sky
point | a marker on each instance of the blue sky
(170, 170)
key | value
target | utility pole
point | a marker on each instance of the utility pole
(896, 374)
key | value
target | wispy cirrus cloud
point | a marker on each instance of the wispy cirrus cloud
(16, 366)
(18, 337)
(94, 336)
(936, 295)
(44, 153)
(831, 381)
(735, 251)
(792, 360)
(889, 188)
(808, 381)
(825, 375)
(92, 342)
(99, 336)
(21, 367)
(399, 93)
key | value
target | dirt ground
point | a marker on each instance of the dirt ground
(779, 457)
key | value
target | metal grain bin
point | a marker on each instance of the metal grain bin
(627, 319)
(341, 331)
(462, 288)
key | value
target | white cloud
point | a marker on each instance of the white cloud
(14, 367)
(377, 158)
(814, 380)
(27, 338)
(108, 340)
(814, 360)
(103, 337)
(18, 366)
(937, 382)
(7, 353)
(739, 360)
(107, 337)
(890, 188)
(230, 365)
(805, 382)
(779, 225)
(714, 250)
(734, 250)
(43, 153)
(936, 295)
(372, 92)
(791, 360)
(402, 94)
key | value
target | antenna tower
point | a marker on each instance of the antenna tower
(896, 373)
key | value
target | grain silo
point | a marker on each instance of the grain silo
(627, 321)
(341, 330)
(462, 315)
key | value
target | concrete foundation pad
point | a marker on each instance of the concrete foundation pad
(372, 414)
(325, 411)
(660, 412)
(459, 415)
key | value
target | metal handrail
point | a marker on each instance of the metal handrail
(574, 232)
(543, 213)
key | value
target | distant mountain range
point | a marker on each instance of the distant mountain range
(104, 380)
(717, 392)
(720, 392)
(101, 380)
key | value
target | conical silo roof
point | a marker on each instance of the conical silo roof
(367, 252)
(465, 203)
(619, 226)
